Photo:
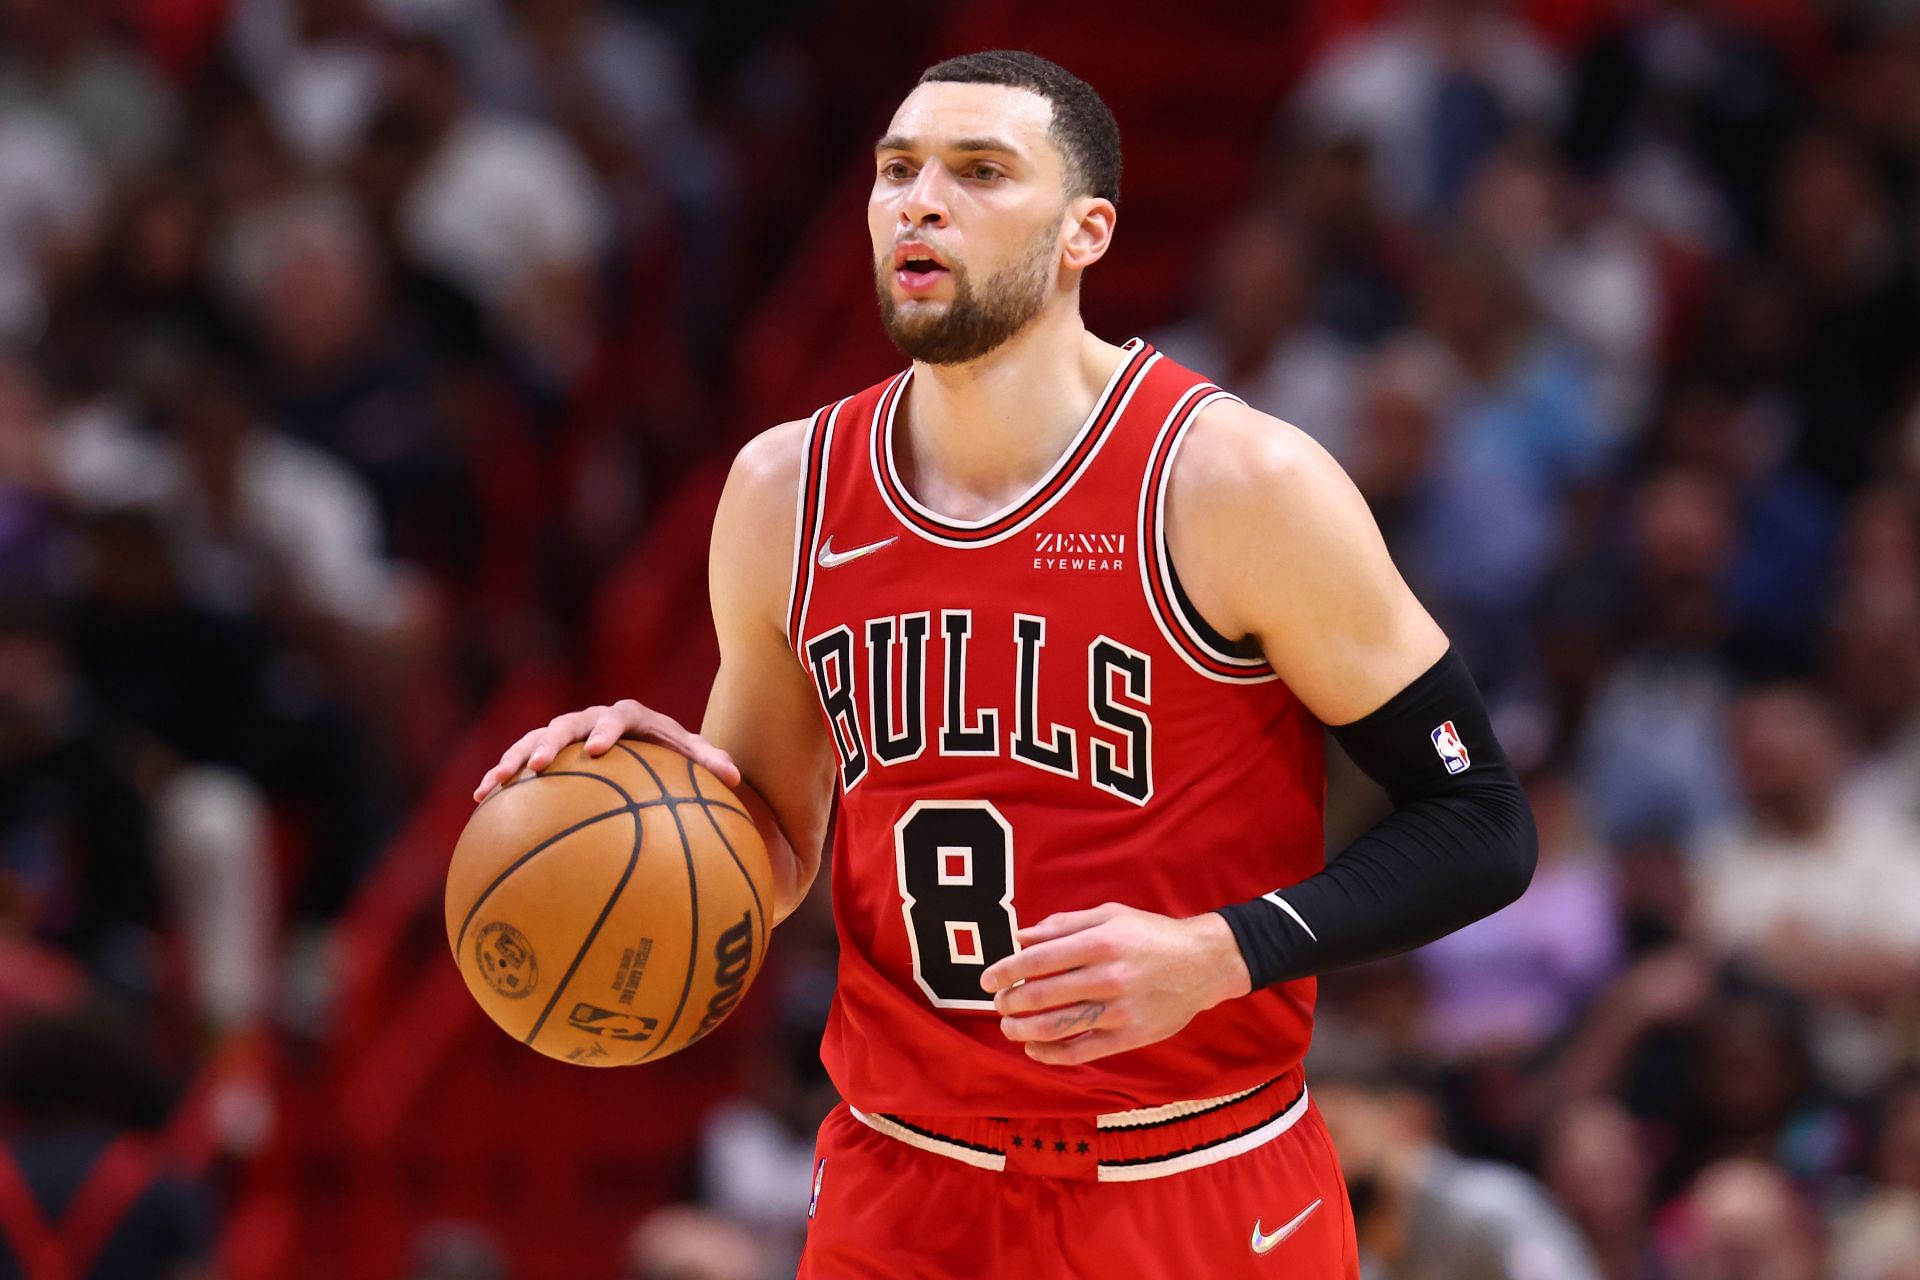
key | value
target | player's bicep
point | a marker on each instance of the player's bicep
(1287, 545)
(761, 709)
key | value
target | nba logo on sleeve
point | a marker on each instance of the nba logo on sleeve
(1453, 752)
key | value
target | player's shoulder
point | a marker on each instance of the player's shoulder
(1234, 455)
(772, 459)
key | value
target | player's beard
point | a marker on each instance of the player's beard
(975, 322)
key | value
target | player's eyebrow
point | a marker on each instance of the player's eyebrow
(965, 146)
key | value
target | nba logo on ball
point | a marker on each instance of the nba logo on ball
(1453, 752)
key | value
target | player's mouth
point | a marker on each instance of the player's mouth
(917, 268)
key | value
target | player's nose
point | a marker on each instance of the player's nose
(926, 200)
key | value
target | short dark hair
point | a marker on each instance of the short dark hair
(1082, 127)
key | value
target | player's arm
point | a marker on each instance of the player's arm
(1274, 542)
(762, 710)
(762, 735)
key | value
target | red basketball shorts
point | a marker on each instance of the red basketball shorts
(1243, 1186)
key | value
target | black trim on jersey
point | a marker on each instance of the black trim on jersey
(1245, 647)
(949, 1139)
(1203, 1146)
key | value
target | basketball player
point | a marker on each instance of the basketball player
(1058, 623)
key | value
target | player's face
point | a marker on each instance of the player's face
(966, 219)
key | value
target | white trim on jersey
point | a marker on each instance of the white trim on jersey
(801, 552)
(1153, 497)
(1208, 1155)
(880, 453)
(1169, 1111)
(994, 1160)
(799, 620)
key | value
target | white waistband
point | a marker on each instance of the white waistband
(1225, 1149)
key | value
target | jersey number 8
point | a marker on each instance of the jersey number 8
(955, 860)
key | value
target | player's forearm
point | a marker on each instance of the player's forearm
(793, 871)
(1459, 845)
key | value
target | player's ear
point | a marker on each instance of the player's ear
(1089, 230)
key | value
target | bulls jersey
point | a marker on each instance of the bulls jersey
(1030, 719)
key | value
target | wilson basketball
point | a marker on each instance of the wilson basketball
(613, 910)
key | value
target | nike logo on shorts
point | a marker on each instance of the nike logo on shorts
(831, 559)
(1261, 1244)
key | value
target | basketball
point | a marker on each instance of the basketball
(609, 910)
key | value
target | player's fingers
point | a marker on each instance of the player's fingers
(671, 733)
(1094, 983)
(1062, 923)
(1055, 1024)
(510, 763)
(1057, 956)
(699, 751)
(607, 729)
(1066, 1053)
(712, 759)
(560, 732)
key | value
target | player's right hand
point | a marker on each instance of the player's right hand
(600, 728)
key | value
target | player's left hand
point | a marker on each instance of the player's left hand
(1086, 984)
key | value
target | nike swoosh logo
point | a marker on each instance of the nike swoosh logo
(831, 559)
(1261, 1244)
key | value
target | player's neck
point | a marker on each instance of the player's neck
(972, 437)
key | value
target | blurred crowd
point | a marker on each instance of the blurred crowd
(1622, 343)
(346, 344)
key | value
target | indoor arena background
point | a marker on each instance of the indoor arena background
(368, 369)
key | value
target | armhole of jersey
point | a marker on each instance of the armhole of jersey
(809, 509)
(1192, 637)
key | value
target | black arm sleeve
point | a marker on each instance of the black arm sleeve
(1460, 843)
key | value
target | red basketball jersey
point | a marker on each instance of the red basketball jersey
(1029, 720)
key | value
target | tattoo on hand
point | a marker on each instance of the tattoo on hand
(1082, 1019)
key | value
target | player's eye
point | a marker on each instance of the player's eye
(898, 170)
(986, 172)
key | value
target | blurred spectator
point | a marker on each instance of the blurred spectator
(86, 1188)
(1816, 893)
(683, 1243)
(456, 1252)
(1850, 278)
(1880, 1240)
(506, 210)
(611, 78)
(1503, 986)
(1682, 109)
(1784, 523)
(1741, 1218)
(316, 64)
(77, 861)
(1256, 334)
(1364, 256)
(353, 369)
(50, 194)
(1422, 1211)
(756, 1158)
(1895, 1160)
(1591, 275)
(64, 57)
(1653, 749)
(1596, 1166)
(1432, 91)
(1520, 430)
